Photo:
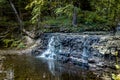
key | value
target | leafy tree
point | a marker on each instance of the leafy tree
(109, 10)
(37, 6)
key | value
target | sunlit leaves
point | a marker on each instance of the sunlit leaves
(34, 3)
(65, 10)
(68, 10)
(36, 6)
(116, 77)
(117, 66)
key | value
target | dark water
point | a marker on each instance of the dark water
(31, 68)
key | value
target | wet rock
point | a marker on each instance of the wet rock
(100, 64)
(63, 59)
(92, 65)
(112, 67)
(36, 52)
(77, 63)
(85, 66)
(73, 45)
(77, 55)
(91, 61)
(64, 54)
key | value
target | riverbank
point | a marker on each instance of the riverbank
(42, 41)
(26, 51)
(100, 50)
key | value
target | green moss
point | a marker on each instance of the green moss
(21, 45)
(15, 43)
(7, 42)
(12, 43)
(116, 77)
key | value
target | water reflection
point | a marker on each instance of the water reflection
(51, 66)
(30, 68)
(69, 72)
(5, 74)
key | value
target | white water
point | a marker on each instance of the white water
(50, 52)
(51, 66)
(85, 56)
(85, 52)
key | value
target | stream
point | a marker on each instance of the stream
(14, 67)
(64, 57)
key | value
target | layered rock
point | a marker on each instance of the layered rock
(89, 51)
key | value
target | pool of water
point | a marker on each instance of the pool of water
(32, 68)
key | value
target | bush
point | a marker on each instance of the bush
(7, 42)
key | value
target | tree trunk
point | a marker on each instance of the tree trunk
(31, 35)
(16, 13)
(74, 20)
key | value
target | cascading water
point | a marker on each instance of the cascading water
(50, 52)
(85, 51)
(85, 54)
(53, 48)
(78, 50)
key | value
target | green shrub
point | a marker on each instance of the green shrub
(117, 66)
(21, 45)
(15, 43)
(7, 42)
(58, 21)
(116, 77)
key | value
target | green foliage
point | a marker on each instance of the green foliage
(37, 6)
(59, 21)
(11, 43)
(10, 23)
(56, 16)
(117, 66)
(55, 24)
(15, 43)
(2, 1)
(7, 42)
(21, 45)
(67, 10)
(116, 77)
(101, 15)
(63, 23)
(93, 17)
(108, 9)
(116, 53)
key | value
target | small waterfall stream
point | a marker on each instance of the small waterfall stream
(50, 52)
(54, 49)
(82, 50)
(89, 52)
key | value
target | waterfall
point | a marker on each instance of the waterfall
(49, 53)
(85, 54)
(53, 48)
(79, 50)
(51, 66)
